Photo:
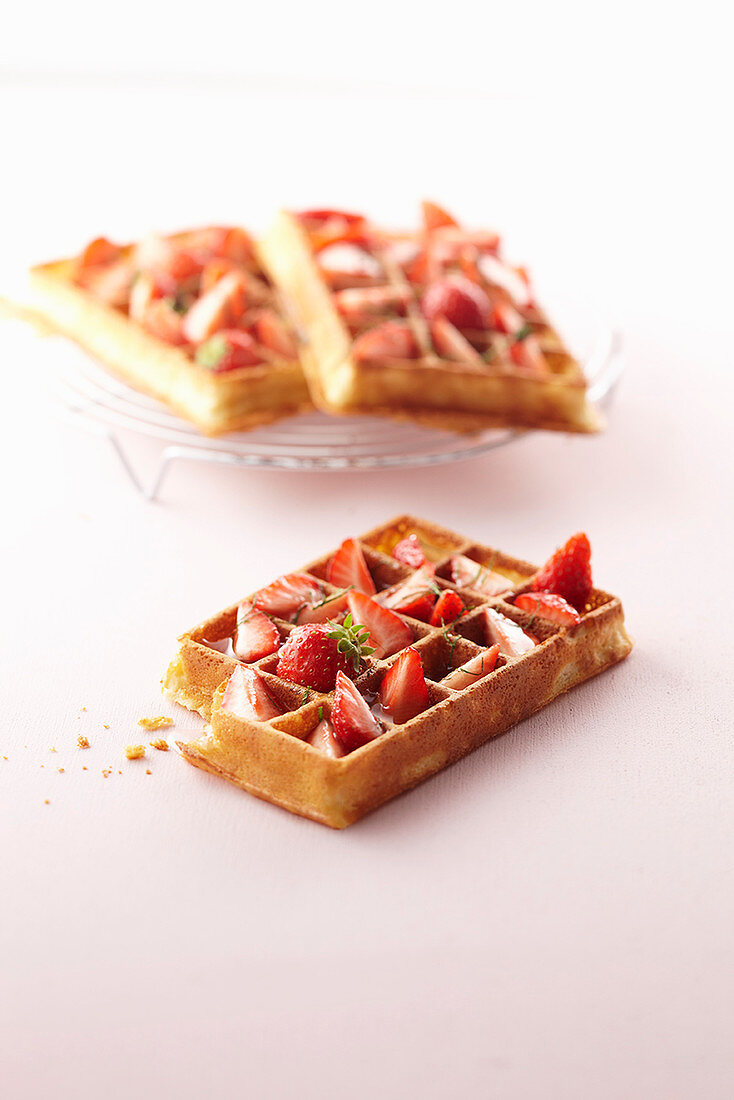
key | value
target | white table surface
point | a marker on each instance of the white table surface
(551, 917)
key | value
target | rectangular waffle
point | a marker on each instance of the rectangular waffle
(129, 308)
(272, 759)
(360, 295)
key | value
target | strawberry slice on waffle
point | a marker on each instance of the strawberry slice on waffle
(246, 696)
(403, 691)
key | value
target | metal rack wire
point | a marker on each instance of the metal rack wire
(106, 406)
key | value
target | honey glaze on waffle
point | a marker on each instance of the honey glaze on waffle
(476, 688)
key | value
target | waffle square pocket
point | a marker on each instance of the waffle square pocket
(339, 686)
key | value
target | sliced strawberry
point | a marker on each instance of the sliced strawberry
(313, 654)
(390, 340)
(403, 691)
(246, 696)
(505, 318)
(228, 350)
(473, 670)
(353, 721)
(417, 269)
(410, 552)
(568, 572)
(213, 271)
(344, 258)
(457, 299)
(467, 573)
(511, 638)
(360, 305)
(255, 635)
(388, 632)
(273, 333)
(548, 605)
(449, 342)
(435, 217)
(99, 251)
(449, 607)
(348, 569)
(325, 740)
(286, 596)
(110, 283)
(415, 596)
(508, 278)
(233, 243)
(325, 215)
(164, 322)
(528, 354)
(324, 611)
(221, 307)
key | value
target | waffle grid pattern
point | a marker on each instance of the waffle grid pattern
(492, 345)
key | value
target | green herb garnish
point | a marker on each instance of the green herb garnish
(211, 353)
(523, 333)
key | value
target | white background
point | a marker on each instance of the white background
(552, 916)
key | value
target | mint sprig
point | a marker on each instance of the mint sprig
(351, 639)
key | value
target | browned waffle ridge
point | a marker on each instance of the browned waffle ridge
(271, 759)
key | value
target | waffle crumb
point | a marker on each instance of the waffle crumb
(60, 770)
(47, 801)
(105, 726)
(158, 723)
(82, 742)
(84, 767)
(148, 771)
(84, 708)
(159, 744)
(134, 752)
(52, 750)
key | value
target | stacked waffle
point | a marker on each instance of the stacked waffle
(327, 309)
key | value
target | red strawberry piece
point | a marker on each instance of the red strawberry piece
(227, 350)
(527, 353)
(568, 572)
(288, 595)
(325, 740)
(348, 569)
(390, 340)
(468, 674)
(246, 696)
(219, 308)
(361, 305)
(457, 299)
(353, 721)
(435, 217)
(314, 653)
(509, 279)
(467, 573)
(449, 607)
(548, 605)
(99, 251)
(213, 271)
(344, 257)
(410, 552)
(388, 633)
(511, 638)
(161, 320)
(111, 283)
(449, 342)
(403, 691)
(255, 635)
(272, 332)
(314, 216)
(505, 318)
(232, 244)
(415, 596)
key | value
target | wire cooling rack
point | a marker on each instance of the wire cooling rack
(107, 407)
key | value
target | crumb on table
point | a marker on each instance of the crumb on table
(158, 723)
(148, 771)
(61, 770)
(159, 744)
(82, 742)
(134, 752)
(105, 726)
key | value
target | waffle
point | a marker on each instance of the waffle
(130, 307)
(273, 760)
(379, 338)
